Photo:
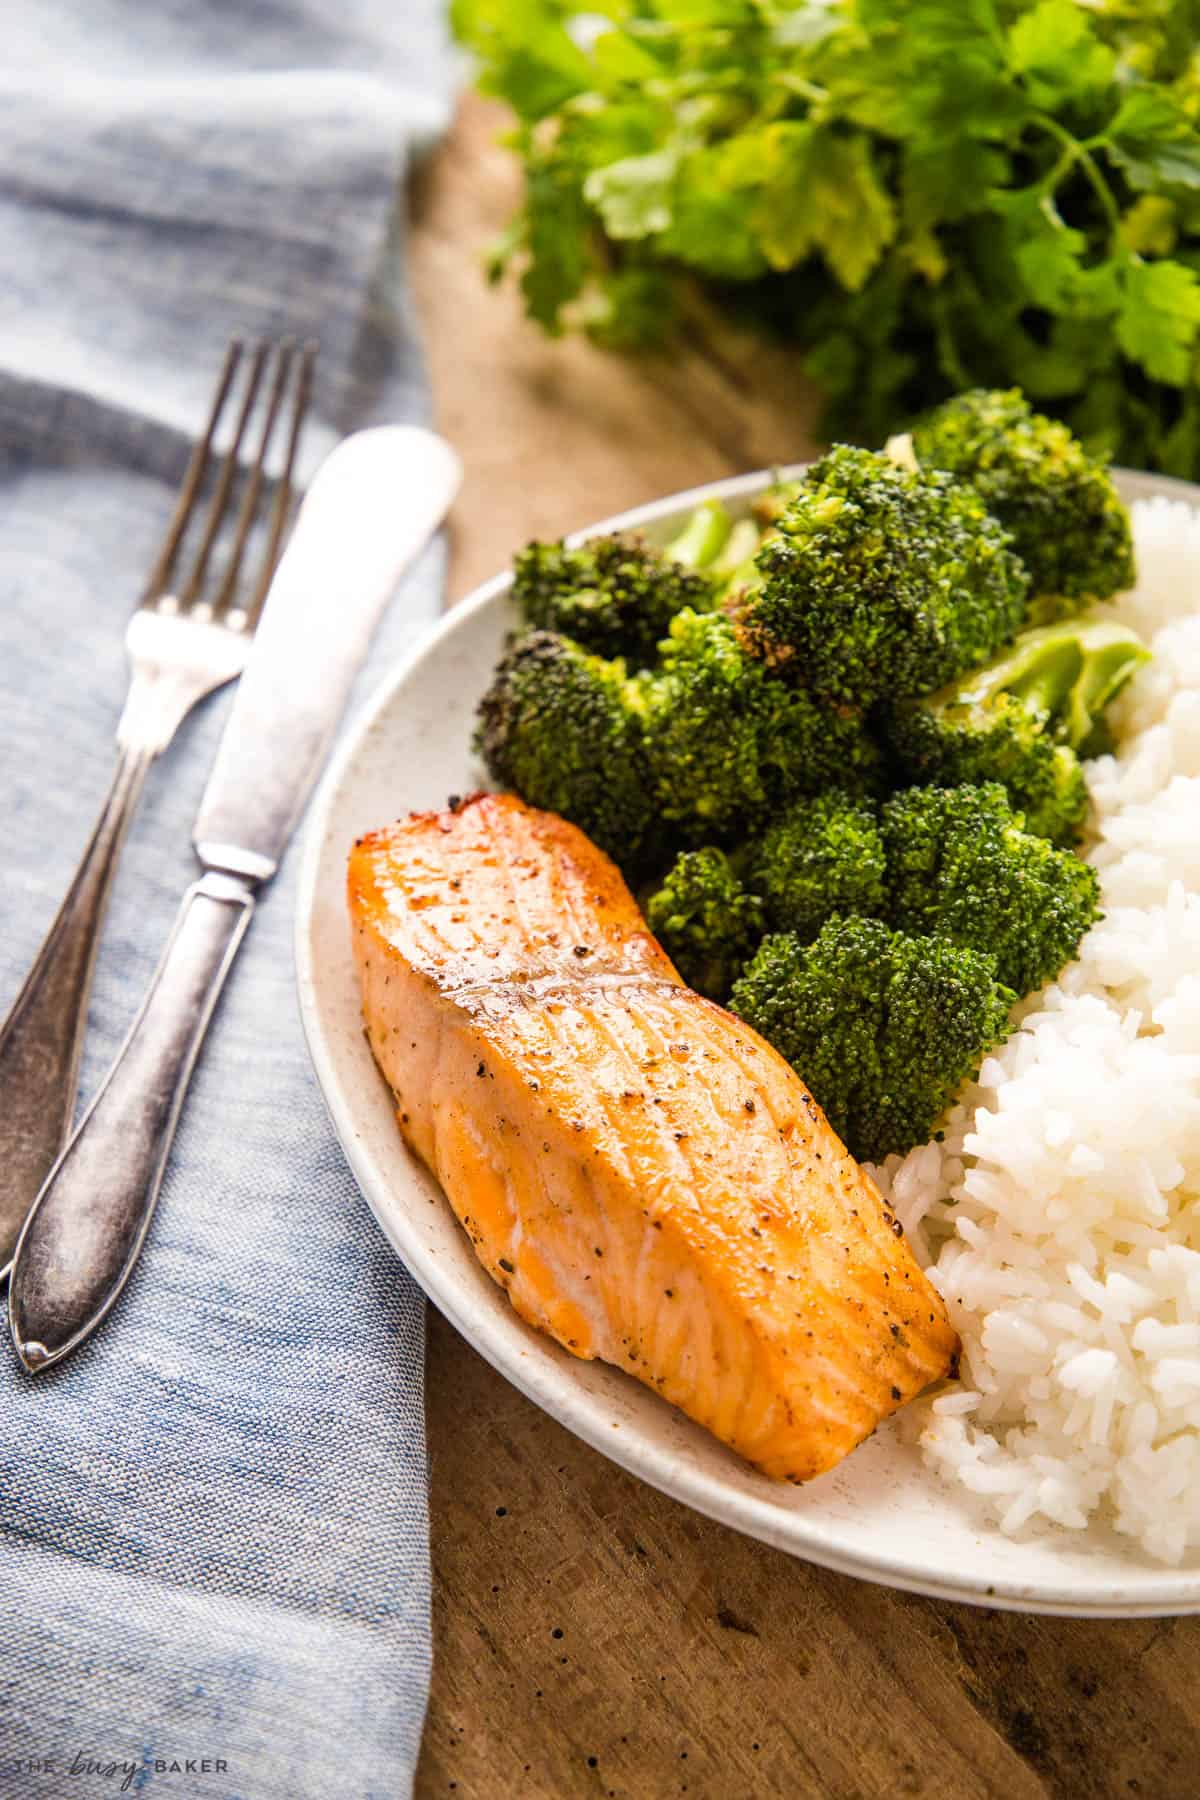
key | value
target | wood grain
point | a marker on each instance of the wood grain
(592, 1637)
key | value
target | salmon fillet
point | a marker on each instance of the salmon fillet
(649, 1181)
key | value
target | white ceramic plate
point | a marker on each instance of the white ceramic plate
(881, 1515)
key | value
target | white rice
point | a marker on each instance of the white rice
(1060, 1216)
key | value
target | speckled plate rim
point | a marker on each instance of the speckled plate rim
(906, 1529)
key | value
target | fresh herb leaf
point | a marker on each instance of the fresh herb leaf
(1159, 318)
(856, 219)
(1153, 140)
(1055, 51)
(633, 196)
(950, 193)
(556, 220)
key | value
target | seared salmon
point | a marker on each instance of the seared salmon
(649, 1181)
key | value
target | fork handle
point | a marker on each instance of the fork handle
(42, 1036)
(82, 1238)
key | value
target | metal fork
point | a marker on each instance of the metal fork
(184, 640)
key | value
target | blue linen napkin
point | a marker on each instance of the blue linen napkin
(214, 1573)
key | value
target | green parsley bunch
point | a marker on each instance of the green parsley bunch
(925, 195)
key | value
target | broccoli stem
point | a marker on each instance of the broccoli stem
(736, 567)
(1067, 673)
(1048, 677)
(1039, 667)
(1110, 656)
(703, 536)
(774, 501)
(740, 547)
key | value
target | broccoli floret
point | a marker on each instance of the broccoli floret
(557, 725)
(1023, 719)
(823, 856)
(729, 744)
(883, 1027)
(706, 920)
(1068, 524)
(882, 582)
(705, 748)
(616, 595)
(960, 864)
(1002, 741)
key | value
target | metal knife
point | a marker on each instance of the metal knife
(370, 509)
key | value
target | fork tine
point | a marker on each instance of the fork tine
(283, 490)
(160, 574)
(249, 505)
(191, 590)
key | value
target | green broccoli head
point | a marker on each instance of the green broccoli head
(558, 727)
(961, 864)
(729, 744)
(706, 920)
(881, 582)
(822, 856)
(616, 596)
(1023, 720)
(883, 1027)
(1002, 741)
(1068, 524)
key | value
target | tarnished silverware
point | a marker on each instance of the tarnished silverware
(186, 638)
(369, 511)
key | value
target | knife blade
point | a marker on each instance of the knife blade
(324, 603)
(371, 507)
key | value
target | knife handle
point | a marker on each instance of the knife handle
(40, 1040)
(83, 1235)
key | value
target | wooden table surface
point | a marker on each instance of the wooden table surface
(591, 1636)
